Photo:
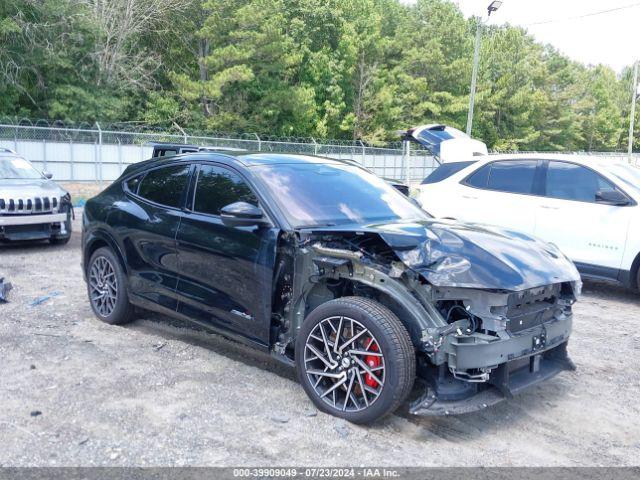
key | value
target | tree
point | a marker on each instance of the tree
(353, 69)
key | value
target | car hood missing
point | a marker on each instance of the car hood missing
(453, 254)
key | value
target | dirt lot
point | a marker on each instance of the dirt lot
(154, 394)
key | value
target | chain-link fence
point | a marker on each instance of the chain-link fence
(93, 153)
(84, 153)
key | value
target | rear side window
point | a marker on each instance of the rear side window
(218, 187)
(513, 176)
(444, 171)
(165, 185)
(569, 181)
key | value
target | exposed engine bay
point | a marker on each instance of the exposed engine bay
(484, 328)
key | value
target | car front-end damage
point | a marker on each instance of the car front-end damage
(488, 311)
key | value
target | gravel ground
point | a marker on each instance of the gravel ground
(77, 392)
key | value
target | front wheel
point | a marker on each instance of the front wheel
(355, 359)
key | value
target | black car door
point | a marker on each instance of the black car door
(147, 223)
(225, 272)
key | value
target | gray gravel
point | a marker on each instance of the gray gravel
(158, 394)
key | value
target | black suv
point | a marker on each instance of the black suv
(327, 267)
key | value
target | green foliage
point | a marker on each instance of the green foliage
(359, 69)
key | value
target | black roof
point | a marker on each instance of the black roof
(244, 158)
(248, 159)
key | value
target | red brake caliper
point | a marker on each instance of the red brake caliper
(372, 362)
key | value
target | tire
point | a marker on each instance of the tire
(378, 332)
(116, 309)
(63, 240)
(60, 240)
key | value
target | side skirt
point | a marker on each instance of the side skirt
(596, 272)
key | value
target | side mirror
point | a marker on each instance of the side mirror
(612, 197)
(47, 175)
(242, 214)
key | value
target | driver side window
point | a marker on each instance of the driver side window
(218, 187)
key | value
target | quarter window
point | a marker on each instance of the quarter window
(218, 187)
(569, 181)
(133, 183)
(480, 178)
(165, 185)
(444, 171)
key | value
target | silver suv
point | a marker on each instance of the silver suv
(32, 207)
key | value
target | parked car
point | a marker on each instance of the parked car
(585, 206)
(330, 269)
(32, 206)
(169, 149)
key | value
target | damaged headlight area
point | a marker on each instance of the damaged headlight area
(485, 325)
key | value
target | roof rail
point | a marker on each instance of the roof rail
(8, 150)
(220, 149)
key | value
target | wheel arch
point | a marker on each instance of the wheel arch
(321, 293)
(633, 273)
(99, 239)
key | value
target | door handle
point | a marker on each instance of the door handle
(547, 207)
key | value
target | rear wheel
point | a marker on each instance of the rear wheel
(355, 359)
(107, 288)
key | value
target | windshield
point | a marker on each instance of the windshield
(629, 175)
(16, 167)
(324, 195)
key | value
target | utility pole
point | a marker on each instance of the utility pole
(634, 94)
(474, 76)
(493, 6)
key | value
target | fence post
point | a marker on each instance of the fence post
(71, 172)
(120, 156)
(407, 158)
(44, 154)
(259, 142)
(364, 155)
(315, 146)
(99, 155)
(184, 134)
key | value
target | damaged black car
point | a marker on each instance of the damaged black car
(330, 269)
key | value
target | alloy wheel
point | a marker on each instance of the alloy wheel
(103, 285)
(344, 364)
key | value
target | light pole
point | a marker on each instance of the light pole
(493, 6)
(634, 95)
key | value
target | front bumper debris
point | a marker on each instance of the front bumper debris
(4, 289)
(448, 396)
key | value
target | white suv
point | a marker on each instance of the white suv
(586, 206)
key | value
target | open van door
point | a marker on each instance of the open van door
(447, 144)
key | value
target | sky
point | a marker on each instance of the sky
(611, 38)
